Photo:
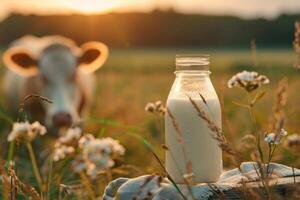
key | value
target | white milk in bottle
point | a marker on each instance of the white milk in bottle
(192, 150)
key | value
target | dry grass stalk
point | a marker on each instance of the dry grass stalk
(296, 43)
(144, 185)
(180, 141)
(29, 97)
(86, 182)
(219, 194)
(34, 96)
(189, 164)
(167, 174)
(217, 133)
(278, 108)
(263, 178)
(247, 192)
(264, 174)
(7, 184)
(187, 178)
(295, 194)
(278, 119)
(26, 189)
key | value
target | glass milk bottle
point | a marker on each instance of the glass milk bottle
(192, 151)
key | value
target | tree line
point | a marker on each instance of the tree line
(155, 29)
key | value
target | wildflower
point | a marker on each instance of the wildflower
(275, 138)
(293, 141)
(98, 154)
(25, 130)
(71, 135)
(158, 105)
(270, 137)
(38, 128)
(248, 80)
(84, 140)
(150, 107)
(156, 108)
(61, 151)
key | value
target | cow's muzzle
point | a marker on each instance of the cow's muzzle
(62, 119)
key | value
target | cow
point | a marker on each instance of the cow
(56, 68)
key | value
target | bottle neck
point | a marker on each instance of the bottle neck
(192, 65)
(192, 73)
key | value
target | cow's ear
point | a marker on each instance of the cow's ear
(20, 61)
(94, 55)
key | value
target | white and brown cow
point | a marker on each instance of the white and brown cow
(56, 68)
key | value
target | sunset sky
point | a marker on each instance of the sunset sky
(242, 8)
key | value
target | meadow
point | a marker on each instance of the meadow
(132, 78)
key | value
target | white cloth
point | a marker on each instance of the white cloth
(147, 185)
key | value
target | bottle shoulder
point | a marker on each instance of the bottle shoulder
(194, 88)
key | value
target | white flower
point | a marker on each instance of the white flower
(248, 80)
(157, 108)
(19, 129)
(61, 151)
(84, 140)
(98, 154)
(283, 132)
(27, 131)
(38, 128)
(115, 146)
(270, 137)
(275, 139)
(65, 145)
(150, 107)
(71, 135)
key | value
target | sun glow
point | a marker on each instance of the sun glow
(92, 6)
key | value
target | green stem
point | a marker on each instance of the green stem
(11, 148)
(49, 177)
(10, 153)
(253, 119)
(35, 166)
(271, 153)
(260, 165)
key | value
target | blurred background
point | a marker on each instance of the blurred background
(145, 35)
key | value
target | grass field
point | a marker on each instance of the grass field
(132, 78)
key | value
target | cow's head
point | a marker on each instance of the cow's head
(59, 67)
